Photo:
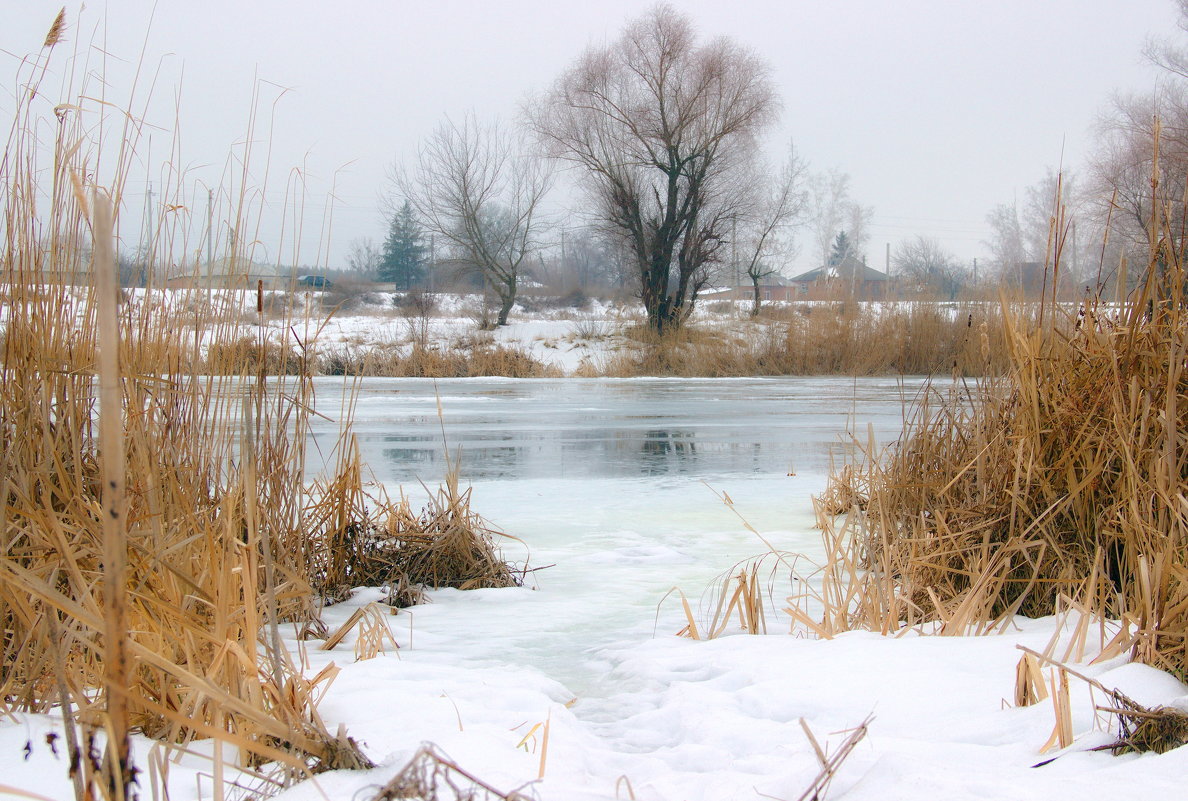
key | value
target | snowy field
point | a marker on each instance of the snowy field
(577, 687)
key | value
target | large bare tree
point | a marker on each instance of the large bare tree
(472, 187)
(659, 121)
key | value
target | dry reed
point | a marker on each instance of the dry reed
(432, 776)
(388, 544)
(915, 338)
(427, 361)
(1062, 479)
(174, 523)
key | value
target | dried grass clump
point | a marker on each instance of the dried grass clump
(445, 544)
(468, 360)
(688, 351)
(1064, 478)
(905, 338)
(274, 358)
(1160, 729)
(846, 490)
(1140, 729)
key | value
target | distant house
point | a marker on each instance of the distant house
(771, 287)
(848, 278)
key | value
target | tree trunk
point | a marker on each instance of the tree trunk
(755, 300)
(506, 301)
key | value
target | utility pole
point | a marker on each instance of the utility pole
(209, 234)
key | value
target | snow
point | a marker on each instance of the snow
(721, 719)
(632, 710)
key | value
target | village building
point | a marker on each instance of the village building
(849, 278)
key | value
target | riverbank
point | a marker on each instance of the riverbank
(447, 335)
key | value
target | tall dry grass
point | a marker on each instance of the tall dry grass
(916, 338)
(1061, 482)
(472, 359)
(154, 516)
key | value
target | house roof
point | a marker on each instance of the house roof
(848, 269)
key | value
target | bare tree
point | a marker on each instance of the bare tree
(1129, 159)
(659, 121)
(925, 263)
(1037, 236)
(363, 257)
(1138, 172)
(782, 204)
(473, 188)
(831, 211)
(1007, 251)
(828, 197)
(859, 218)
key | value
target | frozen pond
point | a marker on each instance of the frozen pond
(508, 429)
(613, 483)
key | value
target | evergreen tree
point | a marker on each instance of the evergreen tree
(841, 249)
(404, 258)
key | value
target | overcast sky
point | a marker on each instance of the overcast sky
(937, 110)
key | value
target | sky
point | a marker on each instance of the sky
(937, 110)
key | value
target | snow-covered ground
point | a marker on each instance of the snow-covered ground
(564, 338)
(627, 709)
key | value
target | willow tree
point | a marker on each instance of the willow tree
(472, 187)
(662, 125)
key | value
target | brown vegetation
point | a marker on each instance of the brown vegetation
(149, 552)
(828, 339)
(1063, 479)
(426, 361)
(444, 544)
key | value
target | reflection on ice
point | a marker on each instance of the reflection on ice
(573, 428)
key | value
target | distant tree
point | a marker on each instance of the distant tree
(830, 209)
(1137, 172)
(661, 124)
(363, 258)
(588, 259)
(840, 250)
(1042, 230)
(781, 203)
(1007, 249)
(925, 263)
(404, 256)
(858, 219)
(475, 189)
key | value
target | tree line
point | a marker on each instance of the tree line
(662, 130)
